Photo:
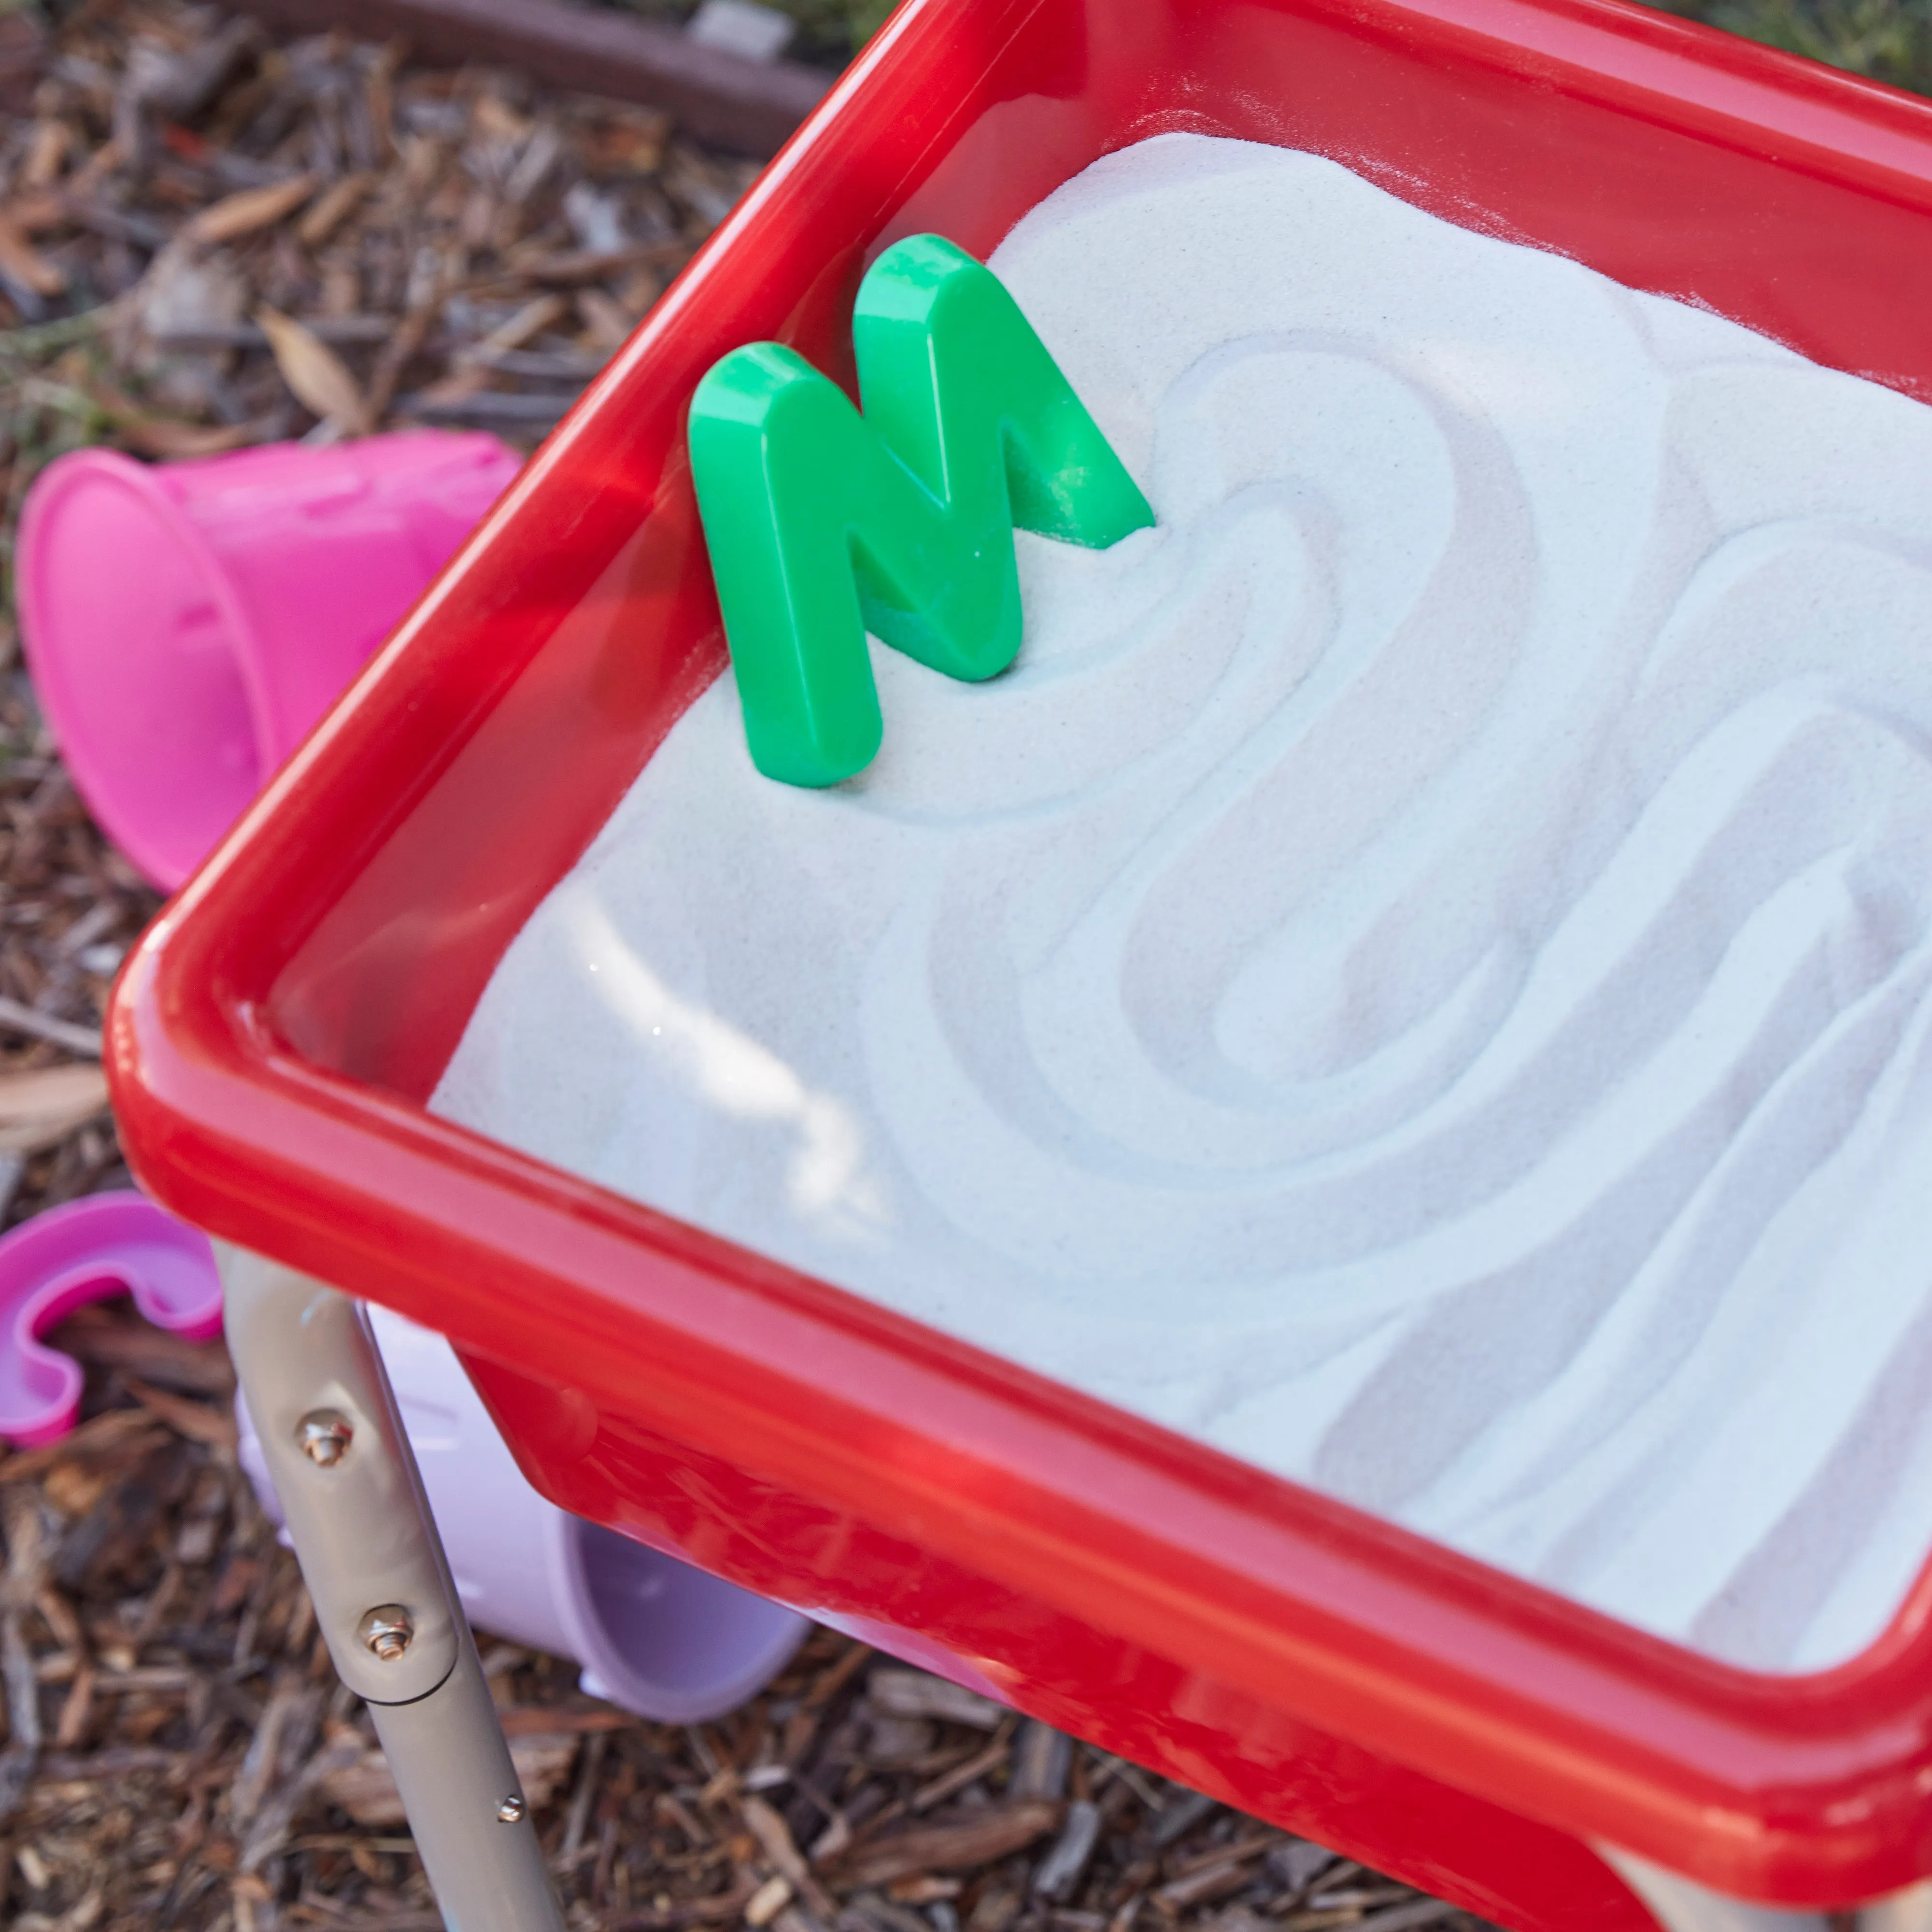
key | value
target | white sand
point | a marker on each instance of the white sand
(1417, 978)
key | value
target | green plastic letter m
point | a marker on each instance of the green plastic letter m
(823, 524)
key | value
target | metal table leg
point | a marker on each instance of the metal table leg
(369, 1551)
(361, 1527)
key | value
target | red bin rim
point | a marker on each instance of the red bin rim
(1814, 1789)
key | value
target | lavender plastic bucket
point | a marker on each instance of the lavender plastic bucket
(672, 1643)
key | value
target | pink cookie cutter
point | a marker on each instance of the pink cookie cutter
(651, 1634)
(107, 1244)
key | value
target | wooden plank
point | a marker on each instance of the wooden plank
(747, 105)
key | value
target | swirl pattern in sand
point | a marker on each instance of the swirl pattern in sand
(1419, 977)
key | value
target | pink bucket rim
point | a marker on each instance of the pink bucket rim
(83, 469)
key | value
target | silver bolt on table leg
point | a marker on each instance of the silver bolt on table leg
(342, 1465)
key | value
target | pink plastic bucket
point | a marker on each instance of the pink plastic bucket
(186, 624)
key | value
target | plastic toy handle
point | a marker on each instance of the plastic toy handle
(106, 1244)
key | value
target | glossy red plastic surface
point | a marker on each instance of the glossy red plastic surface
(274, 1039)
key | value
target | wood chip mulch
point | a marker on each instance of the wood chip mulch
(188, 1758)
(210, 238)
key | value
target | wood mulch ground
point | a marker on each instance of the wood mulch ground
(209, 238)
(191, 1760)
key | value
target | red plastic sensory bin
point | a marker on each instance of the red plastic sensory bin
(275, 1039)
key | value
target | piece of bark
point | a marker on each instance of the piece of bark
(333, 207)
(95, 1337)
(768, 1901)
(250, 209)
(974, 1769)
(213, 1423)
(871, 1911)
(1240, 1918)
(113, 1535)
(1202, 1887)
(122, 1432)
(1296, 1862)
(16, 1018)
(288, 1720)
(23, 47)
(24, 267)
(547, 1720)
(1233, 1851)
(776, 1841)
(1065, 1864)
(956, 1845)
(1405, 1918)
(998, 1907)
(1180, 1815)
(1042, 1758)
(892, 1740)
(172, 441)
(719, 1909)
(317, 377)
(42, 1107)
(113, 1762)
(366, 1790)
(750, 105)
(901, 1693)
(21, 1583)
